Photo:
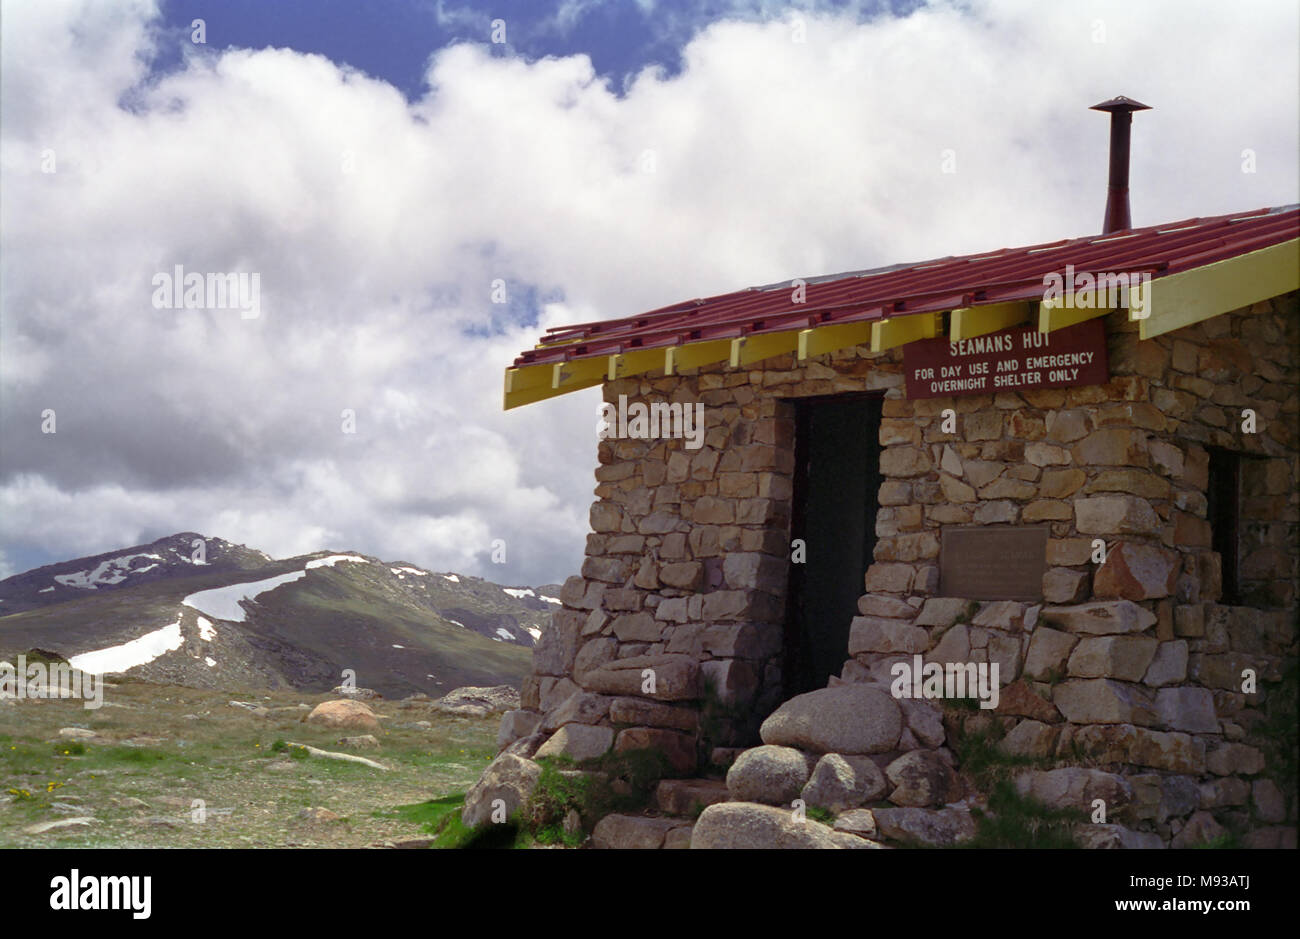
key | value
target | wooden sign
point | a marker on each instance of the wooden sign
(1009, 360)
(993, 562)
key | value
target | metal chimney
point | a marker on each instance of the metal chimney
(1121, 119)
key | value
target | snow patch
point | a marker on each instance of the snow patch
(504, 633)
(410, 570)
(335, 559)
(130, 654)
(209, 661)
(110, 572)
(550, 599)
(452, 577)
(535, 633)
(223, 602)
(396, 646)
(206, 631)
(519, 594)
(46, 590)
(458, 623)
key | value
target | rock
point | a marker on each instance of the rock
(1187, 709)
(934, 827)
(1030, 738)
(1063, 585)
(1019, 700)
(1122, 657)
(1230, 759)
(515, 725)
(851, 719)
(526, 747)
(843, 782)
(1137, 572)
(344, 715)
(953, 647)
(1114, 836)
(1103, 618)
(877, 634)
(748, 825)
(1102, 701)
(509, 778)
(633, 832)
(317, 814)
(921, 778)
(1124, 743)
(360, 694)
(581, 707)
(924, 720)
(1169, 664)
(858, 822)
(683, 796)
(644, 713)
(1200, 829)
(675, 677)
(1269, 802)
(1048, 651)
(773, 775)
(678, 839)
(578, 742)
(42, 827)
(941, 611)
(1074, 787)
(362, 742)
(677, 749)
(1115, 515)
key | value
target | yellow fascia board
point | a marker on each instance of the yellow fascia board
(529, 376)
(635, 362)
(750, 349)
(969, 322)
(695, 354)
(1052, 317)
(900, 330)
(567, 374)
(514, 399)
(1203, 292)
(823, 339)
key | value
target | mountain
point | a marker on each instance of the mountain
(204, 612)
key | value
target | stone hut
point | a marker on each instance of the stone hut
(1076, 462)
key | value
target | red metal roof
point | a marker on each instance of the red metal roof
(927, 287)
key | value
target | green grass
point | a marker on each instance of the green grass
(1015, 821)
(1012, 820)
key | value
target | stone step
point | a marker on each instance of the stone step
(641, 833)
(681, 797)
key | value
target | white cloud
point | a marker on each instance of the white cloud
(773, 159)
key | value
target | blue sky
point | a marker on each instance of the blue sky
(610, 158)
(392, 39)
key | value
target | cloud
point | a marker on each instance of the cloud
(378, 227)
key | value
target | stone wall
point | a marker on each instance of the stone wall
(1131, 661)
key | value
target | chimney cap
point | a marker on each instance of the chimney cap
(1120, 103)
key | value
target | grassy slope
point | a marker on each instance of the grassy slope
(199, 747)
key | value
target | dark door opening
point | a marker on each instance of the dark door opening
(837, 478)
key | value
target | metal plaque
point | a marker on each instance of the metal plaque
(993, 562)
(1016, 359)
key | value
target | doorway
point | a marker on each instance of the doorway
(836, 482)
